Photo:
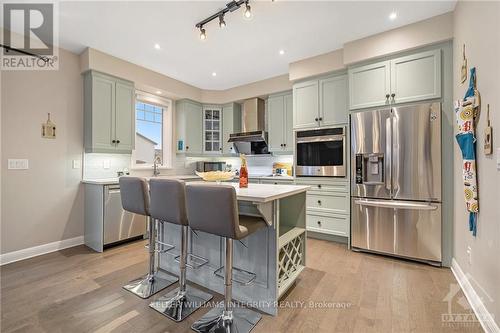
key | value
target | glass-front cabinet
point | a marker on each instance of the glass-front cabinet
(212, 129)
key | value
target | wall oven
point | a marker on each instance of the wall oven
(321, 152)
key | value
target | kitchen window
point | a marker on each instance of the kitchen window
(153, 132)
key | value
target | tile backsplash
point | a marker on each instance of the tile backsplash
(258, 165)
(104, 165)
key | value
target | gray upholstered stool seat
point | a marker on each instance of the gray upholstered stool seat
(214, 209)
(168, 204)
(134, 193)
(250, 224)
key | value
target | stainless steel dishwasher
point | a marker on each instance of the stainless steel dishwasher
(119, 224)
(106, 222)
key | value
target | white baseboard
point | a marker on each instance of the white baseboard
(484, 316)
(34, 251)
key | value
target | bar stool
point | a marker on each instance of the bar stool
(168, 204)
(135, 198)
(214, 209)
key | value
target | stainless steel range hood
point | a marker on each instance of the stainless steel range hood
(253, 139)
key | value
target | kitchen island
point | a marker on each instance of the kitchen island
(276, 254)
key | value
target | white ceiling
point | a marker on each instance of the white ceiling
(245, 51)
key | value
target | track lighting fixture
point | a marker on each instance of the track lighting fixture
(248, 11)
(222, 23)
(203, 34)
(230, 7)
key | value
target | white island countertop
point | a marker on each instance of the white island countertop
(262, 192)
(114, 181)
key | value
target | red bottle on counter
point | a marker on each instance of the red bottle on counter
(243, 172)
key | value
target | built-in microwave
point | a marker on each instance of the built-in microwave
(321, 152)
(203, 166)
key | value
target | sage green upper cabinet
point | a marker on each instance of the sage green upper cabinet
(333, 96)
(416, 77)
(288, 144)
(109, 114)
(370, 85)
(231, 123)
(320, 102)
(280, 123)
(212, 129)
(405, 79)
(305, 104)
(189, 127)
(125, 111)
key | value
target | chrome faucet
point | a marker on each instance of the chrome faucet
(156, 161)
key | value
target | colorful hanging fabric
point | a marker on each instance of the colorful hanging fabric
(466, 112)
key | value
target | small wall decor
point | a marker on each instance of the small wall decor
(48, 129)
(463, 71)
(488, 134)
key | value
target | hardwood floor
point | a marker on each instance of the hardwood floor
(77, 290)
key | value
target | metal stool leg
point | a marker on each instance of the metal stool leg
(184, 300)
(152, 283)
(230, 318)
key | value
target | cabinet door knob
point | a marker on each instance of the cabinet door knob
(315, 119)
(117, 141)
(393, 95)
(187, 147)
(319, 185)
(284, 145)
(113, 141)
(319, 202)
(319, 222)
(387, 96)
(320, 118)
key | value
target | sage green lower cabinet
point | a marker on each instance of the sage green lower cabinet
(332, 224)
(231, 123)
(189, 127)
(280, 123)
(109, 114)
(328, 206)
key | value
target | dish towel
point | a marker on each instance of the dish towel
(466, 111)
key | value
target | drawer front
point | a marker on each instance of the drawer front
(332, 202)
(333, 224)
(341, 186)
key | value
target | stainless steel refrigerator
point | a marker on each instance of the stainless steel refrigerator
(396, 181)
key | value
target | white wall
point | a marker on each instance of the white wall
(45, 203)
(477, 24)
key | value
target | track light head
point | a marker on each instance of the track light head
(203, 34)
(247, 14)
(222, 23)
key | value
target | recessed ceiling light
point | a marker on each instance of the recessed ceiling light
(214, 74)
(282, 52)
(393, 16)
(157, 46)
(158, 92)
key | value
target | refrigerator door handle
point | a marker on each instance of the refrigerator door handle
(395, 204)
(388, 154)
